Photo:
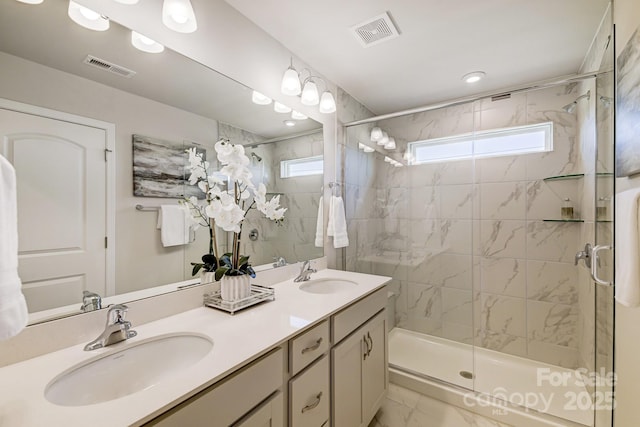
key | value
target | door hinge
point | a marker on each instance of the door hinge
(107, 151)
(106, 242)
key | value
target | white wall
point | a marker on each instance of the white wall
(626, 17)
(141, 261)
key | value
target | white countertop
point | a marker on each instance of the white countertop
(237, 340)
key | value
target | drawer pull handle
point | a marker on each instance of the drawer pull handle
(366, 347)
(313, 347)
(314, 404)
(370, 345)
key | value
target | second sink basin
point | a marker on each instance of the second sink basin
(327, 285)
(137, 367)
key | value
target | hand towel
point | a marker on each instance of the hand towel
(320, 224)
(337, 223)
(174, 225)
(13, 307)
(627, 251)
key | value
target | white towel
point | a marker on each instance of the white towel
(174, 225)
(13, 307)
(627, 250)
(320, 224)
(337, 226)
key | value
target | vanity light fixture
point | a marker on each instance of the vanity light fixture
(474, 76)
(376, 134)
(310, 94)
(260, 99)
(31, 1)
(87, 18)
(291, 82)
(327, 103)
(178, 15)
(298, 116)
(391, 144)
(289, 123)
(145, 44)
(384, 139)
(281, 108)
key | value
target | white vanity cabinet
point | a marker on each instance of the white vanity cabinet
(247, 398)
(359, 362)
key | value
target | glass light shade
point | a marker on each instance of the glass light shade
(260, 99)
(310, 94)
(384, 139)
(281, 108)
(87, 18)
(127, 1)
(178, 15)
(376, 134)
(388, 159)
(298, 116)
(368, 149)
(390, 145)
(145, 44)
(327, 103)
(31, 1)
(291, 82)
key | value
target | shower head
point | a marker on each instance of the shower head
(255, 156)
(570, 108)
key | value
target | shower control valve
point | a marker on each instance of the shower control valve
(584, 255)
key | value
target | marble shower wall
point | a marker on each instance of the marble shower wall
(465, 241)
(294, 239)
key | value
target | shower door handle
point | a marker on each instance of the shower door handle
(595, 263)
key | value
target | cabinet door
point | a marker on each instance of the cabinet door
(269, 414)
(374, 366)
(347, 358)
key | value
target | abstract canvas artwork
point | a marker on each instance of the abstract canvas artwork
(160, 168)
(628, 109)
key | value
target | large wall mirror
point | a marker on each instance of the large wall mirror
(69, 201)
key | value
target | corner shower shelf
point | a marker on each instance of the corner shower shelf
(575, 176)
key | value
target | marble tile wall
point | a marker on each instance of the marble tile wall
(471, 256)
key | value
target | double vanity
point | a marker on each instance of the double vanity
(316, 356)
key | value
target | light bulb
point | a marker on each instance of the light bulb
(87, 17)
(298, 116)
(327, 103)
(310, 94)
(260, 99)
(290, 82)
(281, 108)
(178, 16)
(145, 44)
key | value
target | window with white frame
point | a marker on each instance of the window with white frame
(491, 143)
(301, 167)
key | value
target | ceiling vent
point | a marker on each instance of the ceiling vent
(109, 66)
(375, 30)
(500, 97)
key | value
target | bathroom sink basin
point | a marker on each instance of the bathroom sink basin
(137, 367)
(327, 286)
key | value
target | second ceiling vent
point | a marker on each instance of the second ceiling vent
(375, 30)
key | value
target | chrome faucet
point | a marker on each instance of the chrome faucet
(117, 329)
(90, 301)
(279, 261)
(305, 272)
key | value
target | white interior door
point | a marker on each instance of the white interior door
(61, 180)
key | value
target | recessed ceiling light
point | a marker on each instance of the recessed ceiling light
(31, 1)
(473, 77)
(289, 123)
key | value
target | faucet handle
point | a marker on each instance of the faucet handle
(117, 313)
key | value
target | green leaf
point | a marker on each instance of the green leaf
(244, 259)
(221, 272)
(196, 268)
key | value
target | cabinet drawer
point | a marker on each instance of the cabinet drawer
(226, 402)
(309, 396)
(307, 347)
(346, 321)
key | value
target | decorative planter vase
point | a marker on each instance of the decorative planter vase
(207, 277)
(234, 288)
